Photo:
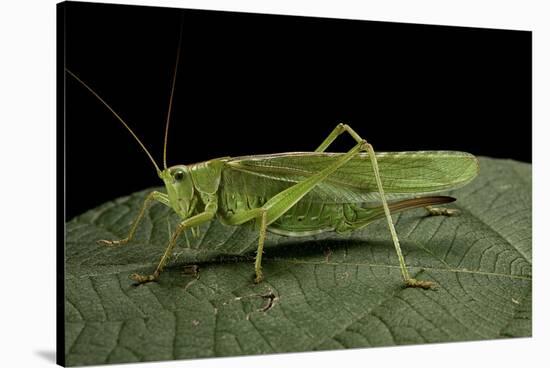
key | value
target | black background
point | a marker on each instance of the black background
(250, 84)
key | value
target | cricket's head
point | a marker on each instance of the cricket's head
(179, 187)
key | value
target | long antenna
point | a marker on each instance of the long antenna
(118, 117)
(172, 95)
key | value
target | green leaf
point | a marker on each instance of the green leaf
(322, 292)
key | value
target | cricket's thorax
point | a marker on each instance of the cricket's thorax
(193, 187)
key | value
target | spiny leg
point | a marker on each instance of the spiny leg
(340, 128)
(192, 269)
(260, 250)
(157, 196)
(185, 224)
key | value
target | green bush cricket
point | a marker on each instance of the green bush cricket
(302, 193)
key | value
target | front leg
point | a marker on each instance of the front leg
(157, 196)
(191, 222)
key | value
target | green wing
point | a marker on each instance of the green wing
(403, 174)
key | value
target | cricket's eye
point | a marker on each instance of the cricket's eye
(178, 175)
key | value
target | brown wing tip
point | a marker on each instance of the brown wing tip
(442, 199)
(420, 202)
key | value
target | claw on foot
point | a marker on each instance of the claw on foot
(421, 284)
(112, 243)
(259, 278)
(442, 211)
(141, 279)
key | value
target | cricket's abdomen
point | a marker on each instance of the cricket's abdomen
(303, 219)
(307, 218)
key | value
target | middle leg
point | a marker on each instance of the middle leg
(283, 201)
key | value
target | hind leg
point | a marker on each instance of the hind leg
(367, 147)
